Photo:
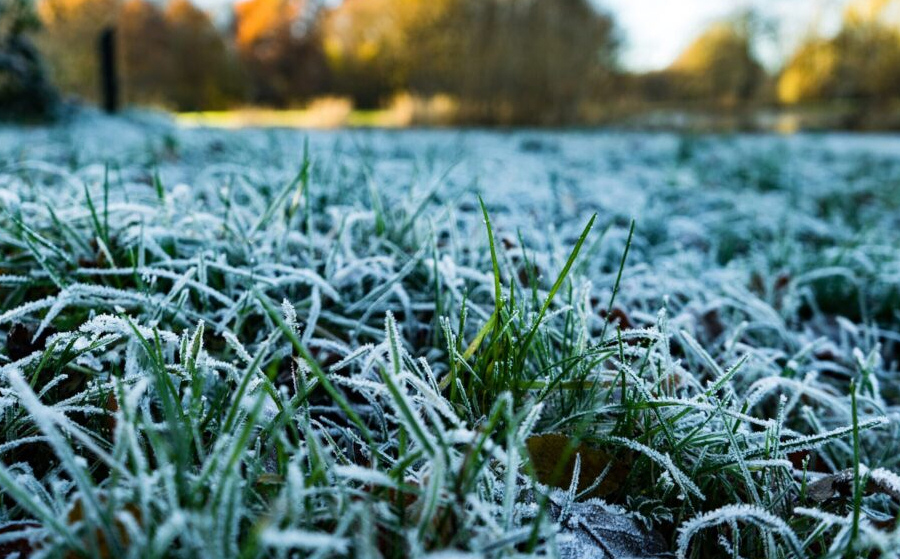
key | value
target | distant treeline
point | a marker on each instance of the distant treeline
(496, 61)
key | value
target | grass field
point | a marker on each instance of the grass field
(266, 343)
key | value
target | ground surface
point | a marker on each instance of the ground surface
(266, 343)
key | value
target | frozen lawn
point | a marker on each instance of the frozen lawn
(272, 343)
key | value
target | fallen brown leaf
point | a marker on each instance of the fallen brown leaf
(547, 450)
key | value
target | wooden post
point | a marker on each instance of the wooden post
(109, 79)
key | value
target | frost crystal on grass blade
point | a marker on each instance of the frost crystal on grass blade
(762, 519)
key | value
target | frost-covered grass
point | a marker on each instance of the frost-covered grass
(247, 344)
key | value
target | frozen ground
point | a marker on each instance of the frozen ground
(216, 343)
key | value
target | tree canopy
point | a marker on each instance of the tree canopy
(861, 62)
(506, 58)
(280, 45)
(720, 64)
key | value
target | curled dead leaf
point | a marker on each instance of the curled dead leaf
(594, 530)
(840, 485)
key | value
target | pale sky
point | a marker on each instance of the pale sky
(655, 31)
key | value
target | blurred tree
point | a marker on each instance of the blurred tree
(869, 50)
(811, 74)
(147, 58)
(546, 57)
(364, 42)
(25, 91)
(71, 29)
(862, 62)
(18, 18)
(866, 12)
(280, 45)
(201, 74)
(173, 57)
(504, 60)
(518, 60)
(719, 65)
